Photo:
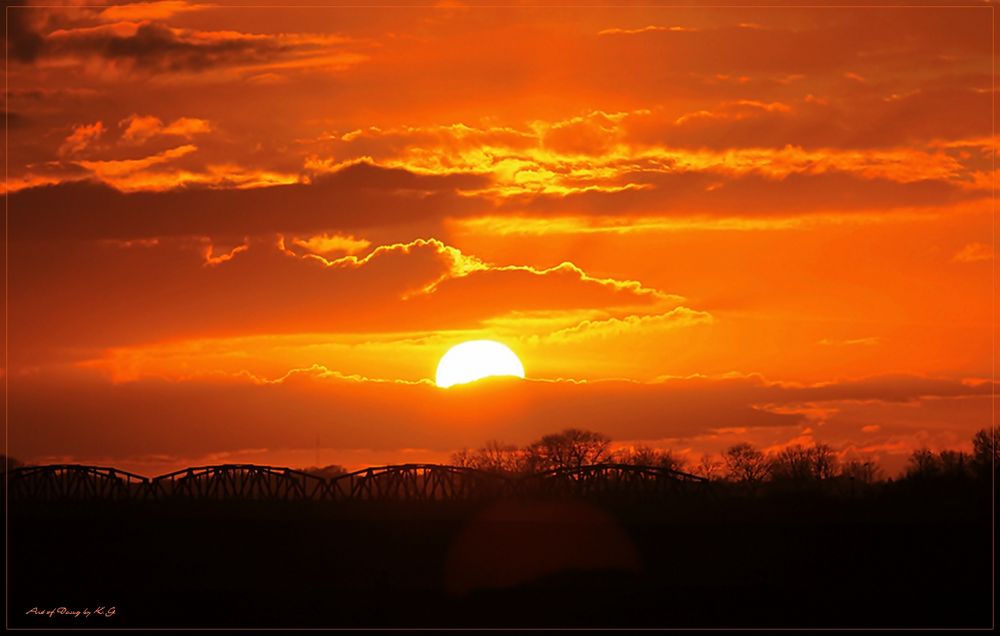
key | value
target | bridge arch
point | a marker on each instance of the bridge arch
(63, 482)
(620, 481)
(417, 482)
(240, 481)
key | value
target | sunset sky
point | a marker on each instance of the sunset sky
(241, 234)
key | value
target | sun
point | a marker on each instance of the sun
(474, 360)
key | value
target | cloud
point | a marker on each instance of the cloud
(182, 194)
(24, 40)
(73, 299)
(915, 120)
(120, 170)
(156, 10)
(849, 342)
(81, 137)
(886, 388)
(133, 39)
(974, 253)
(644, 326)
(645, 29)
(626, 155)
(897, 129)
(734, 111)
(325, 244)
(357, 196)
(139, 129)
(539, 289)
(520, 225)
(667, 192)
(803, 46)
(603, 164)
(170, 169)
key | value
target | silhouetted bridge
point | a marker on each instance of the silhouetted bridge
(405, 482)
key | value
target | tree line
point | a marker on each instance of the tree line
(741, 463)
(571, 448)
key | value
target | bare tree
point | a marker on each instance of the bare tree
(646, 456)
(710, 467)
(9, 463)
(462, 458)
(332, 470)
(948, 464)
(500, 457)
(804, 464)
(792, 464)
(745, 463)
(824, 461)
(494, 456)
(862, 471)
(986, 450)
(955, 463)
(923, 464)
(571, 448)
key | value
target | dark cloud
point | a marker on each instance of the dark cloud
(76, 33)
(156, 47)
(961, 111)
(364, 196)
(821, 41)
(357, 196)
(12, 120)
(885, 388)
(24, 42)
(713, 193)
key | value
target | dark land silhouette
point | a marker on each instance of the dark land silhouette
(561, 533)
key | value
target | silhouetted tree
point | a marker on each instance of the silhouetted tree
(804, 464)
(824, 461)
(332, 470)
(792, 464)
(985, 450)
(571, 448)
(494, 456)
(924, 464)
(745, 463)
(9, 462)
(955, 464)
(710, 467)
(462, 458)
(946, 466)
(646, 456)
(862, 471)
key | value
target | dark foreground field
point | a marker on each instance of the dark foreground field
(903, 559)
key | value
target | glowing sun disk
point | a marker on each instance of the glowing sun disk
(477, 359)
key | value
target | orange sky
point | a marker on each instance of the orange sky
(249, 234)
